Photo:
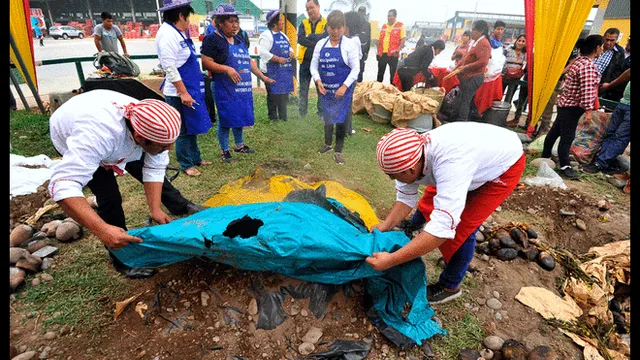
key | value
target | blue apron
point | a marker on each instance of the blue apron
(197, 121)
(282, 74)
(333, 73)
(234, 102)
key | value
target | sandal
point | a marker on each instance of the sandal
(192, 172)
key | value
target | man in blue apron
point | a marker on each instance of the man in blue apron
(185, 88)
(275, 55)
(334, 67)
(226, 56)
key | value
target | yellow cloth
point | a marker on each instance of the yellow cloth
(22, 37)
(257, 188)
(387, 36)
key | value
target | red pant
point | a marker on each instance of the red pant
(481, 203)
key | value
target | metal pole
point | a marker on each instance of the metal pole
(159, 17)
(26, 74)
(90, 12)
(80, 72)
(49, 12)
(133, 11)
(15, 83)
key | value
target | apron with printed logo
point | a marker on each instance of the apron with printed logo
(196, 119)
(333, 72)
(234, 102)
(281, 73)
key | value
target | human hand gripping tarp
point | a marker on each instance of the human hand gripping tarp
(299, 240)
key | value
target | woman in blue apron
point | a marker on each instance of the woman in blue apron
(226, 56)
(334, 67)
(184, 83)
(275, 55)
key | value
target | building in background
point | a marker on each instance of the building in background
(613, 13)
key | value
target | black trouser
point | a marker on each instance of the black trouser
(348, 125)
(406, 76)
(362, 61)
(105, 187)
(328, 136)
(468, 88)
(276, 104)
(523, 98)
(383, 60)
(305, 80)
(511, 85)
(565, 128)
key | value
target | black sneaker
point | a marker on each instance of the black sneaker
(591, 168)
(245, 150)
(325, 149)
(338, 158)
(226, 156)
(436, 294)
(569, 173)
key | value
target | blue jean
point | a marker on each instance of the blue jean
(455, 270)
(617, 136)
(187, 150)
(223, 137)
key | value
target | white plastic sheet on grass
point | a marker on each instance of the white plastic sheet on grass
(546, 177)
(24, 180)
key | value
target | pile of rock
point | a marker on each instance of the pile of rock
(31, 251)
(495, 348)
(512, 240)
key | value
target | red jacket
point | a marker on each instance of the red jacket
(477, 58)
(394, 39)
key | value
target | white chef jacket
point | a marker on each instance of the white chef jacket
(173, 51)
(460, 157)
(350, 55)
(90, 131)
(265, 42)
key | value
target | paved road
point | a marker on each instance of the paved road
(63, 77)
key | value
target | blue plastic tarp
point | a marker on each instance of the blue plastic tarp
(299, 240)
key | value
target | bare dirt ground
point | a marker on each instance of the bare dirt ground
(178, 325)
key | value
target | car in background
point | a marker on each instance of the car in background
(409, 47)
(65, 32)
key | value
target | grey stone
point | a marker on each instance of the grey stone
(295, 310)
(253, 307)
(580, 224)
(20, 234)
(573, 202)
(484, 257)
(46, 264)
(34, 246)
(50, 228)
(564, 212)
(46, 277)
(496, 294)
(313, 335)
(498, 316)
(46, 251)
(27, 355)
(16, 254)
(50, 335)
(494, 304)
(493, 342)
(306, 348)
(480, 237)
(16, 277)
(536, 162)
(35, 282)
(481, 301)
(487, 354)
(624, 162)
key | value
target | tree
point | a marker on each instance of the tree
(352, 5)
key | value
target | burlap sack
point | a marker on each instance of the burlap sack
(410, 105)
(359, 103)
(383, 99)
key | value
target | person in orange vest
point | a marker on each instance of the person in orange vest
(392, 37)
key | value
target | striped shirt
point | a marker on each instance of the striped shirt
(580, 85)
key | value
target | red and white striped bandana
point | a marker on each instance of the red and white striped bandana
(399, 150)
(154, 120)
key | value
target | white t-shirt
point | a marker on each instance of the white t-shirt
(89, 131)
(173, 51)
(460, 157)
(350, 55)
(265, 42)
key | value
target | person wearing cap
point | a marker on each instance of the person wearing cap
(334, 68)
(466, 179)
(183, 86)
(310, 31)
(365, 39)
(212, 28)
(276, 53)
(101, 133)
(225, 55)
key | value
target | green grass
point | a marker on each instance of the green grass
(29, 134)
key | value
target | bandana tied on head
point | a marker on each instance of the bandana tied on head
(154, 120)
(399, 150)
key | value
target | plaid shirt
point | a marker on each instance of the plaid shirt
(580, 86)
(604, 59)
